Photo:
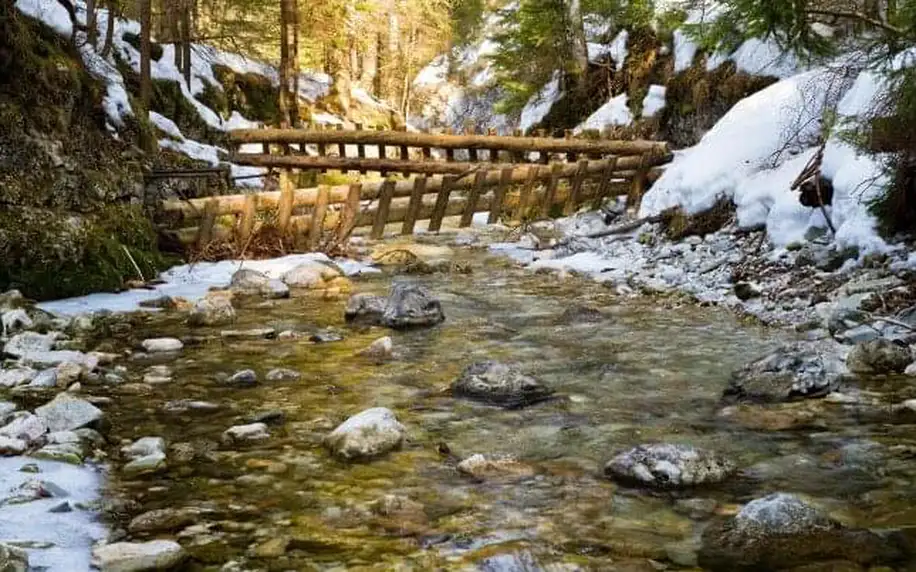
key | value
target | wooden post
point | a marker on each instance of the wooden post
(638, 184)
(527, 195)
(266, 148)
(435, 221)
(572, 201)
(551, 193)
(413, 208)
(341, 147)
(467, 217)
(568, 134)
(350, 210)
(384, 205)
(285, 206)
(246, 224)
(605, 184)
(321, 208)
(205, 230)
(499, 195)
(492, 154)
(449, 153)
(427, 153)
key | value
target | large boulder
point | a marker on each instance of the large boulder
(25, 427)
(881, 356)
(16, 376)
(782, 531)
(365, 309)
(499, 384)
(668, 466)
(212, 311)
(410, 306)
(246, 282)
(29, 342)
(368, 434)
(66, 413)
(790, 372)
(138, 556)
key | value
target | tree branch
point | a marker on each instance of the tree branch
(851, 15)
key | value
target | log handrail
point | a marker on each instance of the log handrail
(454, 142)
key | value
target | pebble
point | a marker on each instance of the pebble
(162, 345)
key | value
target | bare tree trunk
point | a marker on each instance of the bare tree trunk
(294, 57)
(283, 103)
(145, 47)
(185, 26)
(387, 50)
(407, 64)
(92, 31)
(109, 27)
(577, 46)
(173, 26)
(368, 64)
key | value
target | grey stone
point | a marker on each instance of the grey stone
(212, 311)
(790, 372)
(747, 290)
(246, 433)
(67, 412)
(368, 434)
(879, 356)
(61, 508)
(859, 334)
(45, 378)
(325, 337)
(668, 466)
(6, 410)
(190, 406)
(56, 358)
(146, 464)
(282, 374)
(143, 447)
(26, 427)
(845, 318)
(149, 556)
(500, 384)
(29, 342)
(14, 321)
(63, 452)
(10, 446)
(243, 378)
(13, 559)
(310, 275)
(365, 308)
(380, 349)
(163, 520)
(16, 376)
(782, 531)
(162, 345)
(410, 306)
(248, 282)
(252, 334)
(34, 489)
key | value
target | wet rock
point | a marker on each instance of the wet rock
(494, 466)
(63, 452)
(13, 559)
(163, 520)
(149, 556)
(6, 411)
(747, 290)
(325, 337)
(25, 427)
(29, 342)
(582, 315)
(774, 417)
(212, 311)
(381, 349)
(61, 508)
(16, 376)
(11, 300)
(403, 254)
(246, 433)
(143, 447)
(57, 357)
(33, 489)
(790, 372)
(365, 309)
(499, 384)
(282, 374)
(146, 464)
(410, 306)
(157, 374)
(668, 466)
(782, 531)
(859, 334)
(190, 406)
(368, 434)
(14, 321)
(252, 334)
(399, 514)
(243, 378)
(845, 317)
(45, 378)
(247, 282)
(67, 412)
(162, 345)
(696, 508)
(10, 446)
(311, 275)
(880, 356)
(269, 417)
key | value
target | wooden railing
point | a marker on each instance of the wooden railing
(441, 188)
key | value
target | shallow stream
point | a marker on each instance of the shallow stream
(633, 372)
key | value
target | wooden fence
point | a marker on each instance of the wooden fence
(439, 189)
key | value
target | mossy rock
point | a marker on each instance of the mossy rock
(678, 224)
(252, 95)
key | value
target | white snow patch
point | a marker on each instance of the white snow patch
(764, 58)
(618, 50)
(166, 125)
(191, 282)
(684, 51)
(654, 101)
(51, 13)
(614, 112)
(539, 104)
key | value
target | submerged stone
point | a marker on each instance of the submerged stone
(410, 306)
(790, 372)
(162, 345)
(365, 308)
(499, 384)
(283, 374)
(881, 356)
(212, 311)
(668, 466)
(368, 434)
(149, 556)
(381, 349)
(246, 433)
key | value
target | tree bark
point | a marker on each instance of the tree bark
(186, 32)
(109, 27)
(578, 48)
(387, 51)
(294, 57)
(145, 48)
(368, 64)
(92, 32)
(285, 64)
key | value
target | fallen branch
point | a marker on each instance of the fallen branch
(134, 262)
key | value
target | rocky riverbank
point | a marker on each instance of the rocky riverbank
(471, 416)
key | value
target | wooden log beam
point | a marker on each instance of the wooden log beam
(398, 138)
(384, 165)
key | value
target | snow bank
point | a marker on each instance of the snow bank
(617, 49)
(192, 281)
(614, 112)
(684, 51)
(654, 101)
(539, 105)
(752, 157)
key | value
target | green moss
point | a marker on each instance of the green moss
(55, 254)
(252, 95)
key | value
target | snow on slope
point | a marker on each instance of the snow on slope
(539, 105)
(749, 157)
(614, 112)
(654, 101)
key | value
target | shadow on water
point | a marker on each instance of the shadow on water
(627, 372)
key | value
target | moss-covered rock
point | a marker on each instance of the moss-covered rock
(252, 95)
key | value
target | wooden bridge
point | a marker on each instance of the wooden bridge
(437, 176)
